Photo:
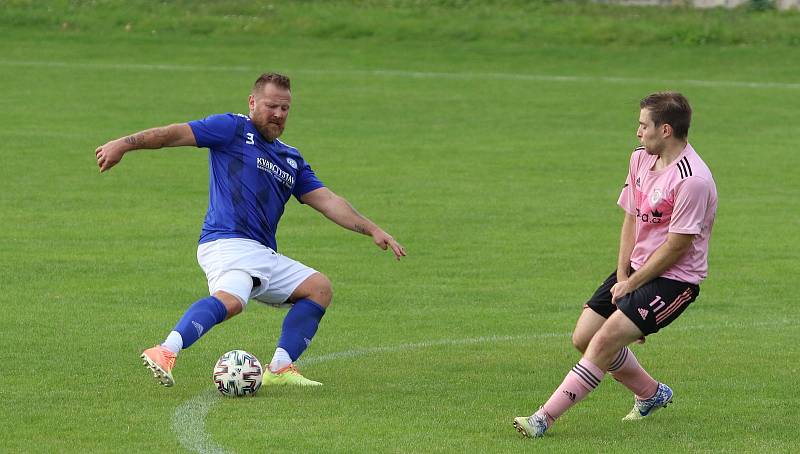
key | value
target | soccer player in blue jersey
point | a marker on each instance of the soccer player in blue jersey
(252, 176)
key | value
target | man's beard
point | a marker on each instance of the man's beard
(270, 131)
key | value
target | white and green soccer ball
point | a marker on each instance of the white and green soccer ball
(238, 373)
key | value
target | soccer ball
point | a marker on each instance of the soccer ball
(238, 373)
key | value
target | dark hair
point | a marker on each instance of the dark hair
(671, 108)
(272, 78)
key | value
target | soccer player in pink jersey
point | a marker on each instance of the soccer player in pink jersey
(670, 201)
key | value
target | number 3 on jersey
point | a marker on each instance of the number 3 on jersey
(250, 140)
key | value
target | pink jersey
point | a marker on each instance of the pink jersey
(681, 198)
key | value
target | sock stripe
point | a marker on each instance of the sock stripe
(619, 360)
(586, 376)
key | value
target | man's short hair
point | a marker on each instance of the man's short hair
(272, 78)
(671, 108)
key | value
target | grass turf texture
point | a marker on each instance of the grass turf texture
(498, 176)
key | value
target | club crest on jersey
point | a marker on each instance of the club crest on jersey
(292, 163)
(655, 197)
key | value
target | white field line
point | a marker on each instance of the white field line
(189, 423)
(415, 346)
(189, 420)
(467, 75)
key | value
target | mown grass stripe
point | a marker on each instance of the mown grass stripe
(418, 74)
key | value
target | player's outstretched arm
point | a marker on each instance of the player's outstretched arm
(339, 210)
(175, 135)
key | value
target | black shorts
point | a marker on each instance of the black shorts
(650, 307)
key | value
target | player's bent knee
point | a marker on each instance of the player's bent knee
(317, 288)
(233, 305)
(323, 290)
(580, 342)
(605, 341)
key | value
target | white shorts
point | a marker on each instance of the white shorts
(279, 275)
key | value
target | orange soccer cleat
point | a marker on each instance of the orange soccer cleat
(161, 361)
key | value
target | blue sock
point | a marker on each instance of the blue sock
(199, 319)
(299, 327)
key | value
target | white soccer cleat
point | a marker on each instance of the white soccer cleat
(532, 426)
(644, 408)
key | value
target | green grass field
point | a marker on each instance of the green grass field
(490, 139)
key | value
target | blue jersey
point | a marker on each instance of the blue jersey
(250, 179)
